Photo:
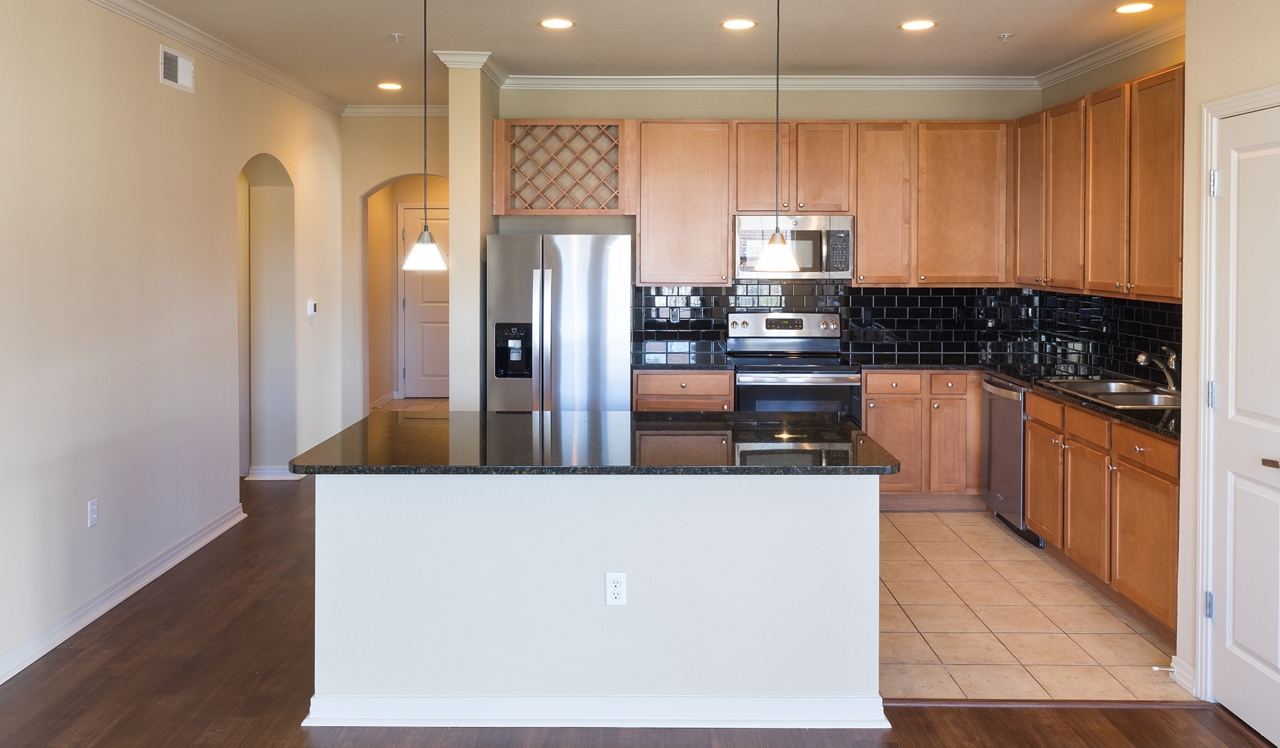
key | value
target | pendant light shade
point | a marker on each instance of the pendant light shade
(425, 255)
(777, 256)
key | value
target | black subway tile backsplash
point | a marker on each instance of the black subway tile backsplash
(1052, 334)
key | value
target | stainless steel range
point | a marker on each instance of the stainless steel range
(789, 362)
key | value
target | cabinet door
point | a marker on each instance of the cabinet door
(894, 422)
(961, 203)
(1155, 200)
(1144, 541)
(684, 204)
(1107, 191)
(824, 176)
(948, 445)
(1030, 232)
(1044, 483)
(684, 449)
(1087, 508)
(1065, 252)
(755, 166)
(884, 188)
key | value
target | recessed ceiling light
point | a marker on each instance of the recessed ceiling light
(1134, 8)
(918, 25)
(390, 86)
(557, 23)
(738, 24)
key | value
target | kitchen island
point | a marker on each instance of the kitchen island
(461, 562)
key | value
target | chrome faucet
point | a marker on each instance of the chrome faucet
(1168, 365)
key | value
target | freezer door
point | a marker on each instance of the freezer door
(586, 323)
(513, 311)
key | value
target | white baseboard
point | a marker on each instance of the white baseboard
(383, 400)
(271, 472)
(1184, 675)
(865, 712)
(45, 640)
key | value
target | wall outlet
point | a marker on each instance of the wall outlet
(93, 512)
(615, 588)
(313, 308)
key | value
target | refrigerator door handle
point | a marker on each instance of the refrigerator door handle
(548, 390)
(535, 355)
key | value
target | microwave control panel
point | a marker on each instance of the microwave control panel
(838, 251)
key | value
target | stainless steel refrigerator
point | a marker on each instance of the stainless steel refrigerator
(558, 320)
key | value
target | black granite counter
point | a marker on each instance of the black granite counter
(598, 443)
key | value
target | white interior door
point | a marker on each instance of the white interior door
(1246, 421)
(425, 304)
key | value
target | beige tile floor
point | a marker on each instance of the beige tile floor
(968, 610)
(416, 404)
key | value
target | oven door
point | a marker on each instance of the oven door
(801, 392)
(780, 454)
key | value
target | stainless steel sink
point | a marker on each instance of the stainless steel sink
(1122, 394)
(1129, 401)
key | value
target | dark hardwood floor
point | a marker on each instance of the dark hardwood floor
(217, 652)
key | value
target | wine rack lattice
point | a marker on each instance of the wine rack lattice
(565, 167)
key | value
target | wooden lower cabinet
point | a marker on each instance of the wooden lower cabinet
(1087, 508)
(1144, 540)
(895, 422)
(1043, 494)
(684, 449)
(948, 445)
(681, 390)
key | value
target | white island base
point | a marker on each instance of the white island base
(479, 600)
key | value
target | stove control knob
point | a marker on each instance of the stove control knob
(823, 324)
(746, 324)
(734, 325)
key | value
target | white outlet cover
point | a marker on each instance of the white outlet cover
(615, 588)
(93, 512)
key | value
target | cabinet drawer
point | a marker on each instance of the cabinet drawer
(892, 383)
(1045, 410)
(949, 383)
(1087, 427)
(1142, 448)
(719, 383)
(672, 404)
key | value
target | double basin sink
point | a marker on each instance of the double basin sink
(1122, 394)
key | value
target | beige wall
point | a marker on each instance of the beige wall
(118, 290)
(1231, 49)
(375, 152)
(517, 103)
(1163, 55)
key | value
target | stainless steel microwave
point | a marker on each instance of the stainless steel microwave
(823, 246)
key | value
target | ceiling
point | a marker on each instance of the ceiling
(344, 48)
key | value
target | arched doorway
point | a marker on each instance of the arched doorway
(268, 367)
(408, 322)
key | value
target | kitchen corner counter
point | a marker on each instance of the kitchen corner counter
(592, 443)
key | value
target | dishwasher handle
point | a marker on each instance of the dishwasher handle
(1007, 394)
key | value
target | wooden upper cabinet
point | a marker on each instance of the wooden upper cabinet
(824, 174)
(884, 204)
(755, 166)
(684, 220)
(1155, 201)
(1066, 197)
(1107, 190)
(962, 203)
(1032, 176)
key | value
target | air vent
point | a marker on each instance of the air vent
(177, 70)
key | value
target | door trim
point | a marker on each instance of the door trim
(1199, 679)
(397, 392)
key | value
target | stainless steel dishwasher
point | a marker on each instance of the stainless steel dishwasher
(1003, 409)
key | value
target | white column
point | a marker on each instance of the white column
(473, 105)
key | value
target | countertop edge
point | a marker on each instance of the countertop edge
(586, 470)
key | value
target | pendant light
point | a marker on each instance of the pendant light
(426, 254)
(777, 256)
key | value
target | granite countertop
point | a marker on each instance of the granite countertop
(592, 443)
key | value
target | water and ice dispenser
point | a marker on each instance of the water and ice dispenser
(513, 350)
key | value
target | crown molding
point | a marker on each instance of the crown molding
(766, 83)
(1130, 45)
(482, 60)
(161, 22)
(394, 110)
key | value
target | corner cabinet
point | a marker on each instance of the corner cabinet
(962, 203)
(684, 226)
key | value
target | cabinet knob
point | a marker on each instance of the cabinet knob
(1039, 279)
(1112, 468)
(1064, 445)
(801, 205)
(895, 385)
(1139, 449)
(724, 277)
(724, 407)
(935, 406)
(922, 277)
(724, 441)
(1046, 281)
(784, 205)
(871, 405)
(683, 385)
(1053, 441)
(950, 385)
(1128, 286)
(862, 277)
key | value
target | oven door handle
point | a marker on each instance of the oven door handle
(801, 380)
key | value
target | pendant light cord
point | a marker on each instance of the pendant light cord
(424, 115)
(777, 117)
